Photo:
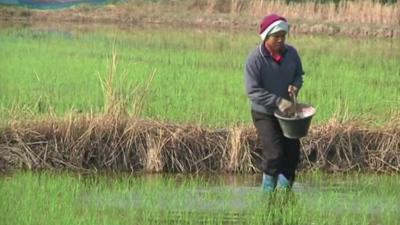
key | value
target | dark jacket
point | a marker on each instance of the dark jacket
(267, 81)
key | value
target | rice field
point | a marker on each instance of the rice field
(188, 76)
(198, 74)
(65, 198)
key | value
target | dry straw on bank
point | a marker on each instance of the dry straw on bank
(362, 18)
(357, 18)
(125, 144)
(344, 12)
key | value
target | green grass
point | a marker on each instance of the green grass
(198, 73)
(62, 198)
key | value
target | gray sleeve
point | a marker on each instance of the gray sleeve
(254, 89)
(298, 77)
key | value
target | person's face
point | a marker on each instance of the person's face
(276, 41)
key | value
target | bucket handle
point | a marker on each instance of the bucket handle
(294, 100)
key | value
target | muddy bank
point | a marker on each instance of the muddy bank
(192, 15)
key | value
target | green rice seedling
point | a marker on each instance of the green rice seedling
(62, 198)
(197, 75)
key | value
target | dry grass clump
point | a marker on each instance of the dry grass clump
(344, 12)
(349, 146)
(112, 143)
(122, 144)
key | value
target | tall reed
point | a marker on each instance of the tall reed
(345, 12)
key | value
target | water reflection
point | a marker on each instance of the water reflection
(231, 197)
(52, 4)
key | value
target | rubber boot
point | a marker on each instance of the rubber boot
(268, 183)
(283, 183)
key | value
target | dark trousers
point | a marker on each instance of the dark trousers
(280, 154)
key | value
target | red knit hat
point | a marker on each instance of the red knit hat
(266, 22)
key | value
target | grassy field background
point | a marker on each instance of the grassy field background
(198, 74)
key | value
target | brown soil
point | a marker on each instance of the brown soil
(190, 15)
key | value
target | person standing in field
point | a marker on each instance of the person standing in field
(273, 72)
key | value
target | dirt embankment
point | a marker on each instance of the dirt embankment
(360, 19)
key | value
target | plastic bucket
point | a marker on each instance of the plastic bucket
(296, 126)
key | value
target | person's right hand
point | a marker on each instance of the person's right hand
(284, 105)
(292, 90)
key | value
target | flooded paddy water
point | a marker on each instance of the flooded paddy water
(49, 4)
(61, 198)
(234, 198)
